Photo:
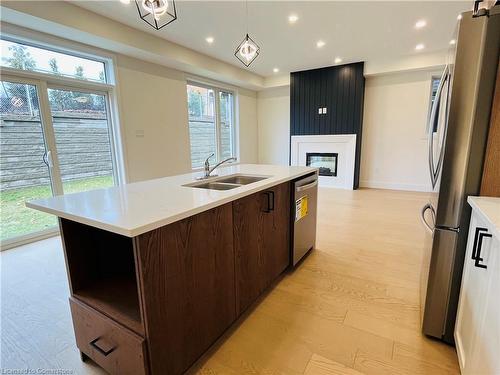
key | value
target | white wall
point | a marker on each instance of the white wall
(154, 120)
(152, 101)
(273, 108)
(394, 149)
(247, 130)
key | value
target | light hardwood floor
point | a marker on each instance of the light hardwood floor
(352, 307)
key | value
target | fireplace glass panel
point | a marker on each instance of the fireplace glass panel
(325, 161)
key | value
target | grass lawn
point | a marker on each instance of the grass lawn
(17, 220)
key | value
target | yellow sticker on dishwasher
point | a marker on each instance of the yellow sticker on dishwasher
(301, 208)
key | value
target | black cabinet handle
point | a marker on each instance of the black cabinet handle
(270, 201)
(479, 247)
(93, 343)
(476, 238)
(266, 208)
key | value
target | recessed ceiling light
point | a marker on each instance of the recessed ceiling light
(292, 18)
(125, 1)
(276, 70)
(210, 39)
(320, 44)
(419, 47)
(453, 42)
(459, 17)
(420, 24)
(338, 60)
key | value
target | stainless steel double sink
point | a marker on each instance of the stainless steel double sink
(227, 182)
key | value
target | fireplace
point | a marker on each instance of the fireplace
(334, 155)
(325, 161)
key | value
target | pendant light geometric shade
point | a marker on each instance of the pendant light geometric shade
(157, 13)
(247, 51)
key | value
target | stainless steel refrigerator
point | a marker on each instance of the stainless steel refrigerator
(458, 129)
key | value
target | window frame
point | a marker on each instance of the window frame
(44, 81)
(218, 88)
(434, 77)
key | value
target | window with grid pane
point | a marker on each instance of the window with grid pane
(211, 123)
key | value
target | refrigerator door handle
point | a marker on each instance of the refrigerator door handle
(429, 227)
(434, 113)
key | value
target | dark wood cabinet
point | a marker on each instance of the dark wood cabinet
(276, 244)
(114, 348)
(153, 304)
(187, 285)
(261, 241)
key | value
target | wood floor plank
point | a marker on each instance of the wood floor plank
(370, 364)
(319, 365)
(383, 328)
(430, 351)
(328, 338)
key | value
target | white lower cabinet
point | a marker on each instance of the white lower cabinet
(477, 330)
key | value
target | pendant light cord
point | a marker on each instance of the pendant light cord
(246, 10)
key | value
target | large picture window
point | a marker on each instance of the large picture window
(211, 123)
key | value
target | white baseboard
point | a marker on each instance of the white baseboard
(29, 238)
(394, 186)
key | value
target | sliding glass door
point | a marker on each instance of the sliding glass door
(24, 159)
(56, 131)
(53, 141)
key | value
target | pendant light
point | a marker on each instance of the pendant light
(157, 13)
(248, 50)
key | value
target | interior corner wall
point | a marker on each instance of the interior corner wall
(273, 108)
(394, 145)
(247, 127)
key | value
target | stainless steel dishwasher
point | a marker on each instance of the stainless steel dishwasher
(305, 200)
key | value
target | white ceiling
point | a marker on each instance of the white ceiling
(352, 30)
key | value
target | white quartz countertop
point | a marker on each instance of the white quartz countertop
(136, 208)
(489, 209)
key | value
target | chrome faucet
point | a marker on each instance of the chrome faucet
(209, 170)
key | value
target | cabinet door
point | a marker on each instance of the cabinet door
(248, 217)
(261, 241)
(276, 244)
(187, 282)
(473, 295)
(486, 348)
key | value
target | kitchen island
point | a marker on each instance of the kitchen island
(159, 269)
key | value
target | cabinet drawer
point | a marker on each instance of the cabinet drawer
(111, 346)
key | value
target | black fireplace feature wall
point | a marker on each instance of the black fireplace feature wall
(325, 161)
(329, 101)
